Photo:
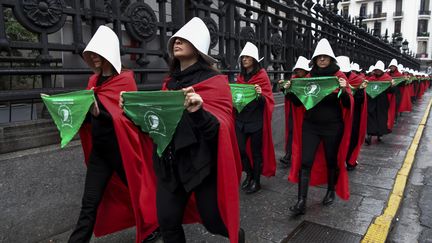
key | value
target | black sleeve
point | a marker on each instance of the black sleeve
(205, 122)
(392, 89)
(345, 99)
(294, 99)
(359, 96)
(103, 114)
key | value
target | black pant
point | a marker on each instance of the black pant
(256, 148)
(355, 131)
(171, 207)
(290, 133)
(312, 136)
(99, 171)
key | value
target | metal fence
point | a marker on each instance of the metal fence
(282, 30)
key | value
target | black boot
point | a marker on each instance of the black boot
(331, 182)
(368, 139)
(242, 236)
(286, 159)
(254, 186)
(247, 182)
(300, 207)
(153, 236)
(379, 139)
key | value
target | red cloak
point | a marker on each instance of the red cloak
(391, 97)
(319, 168)
(405, 103)
(123, 206)
(269, 161)
(289, 107)
(217, 98)
(356, 80)
(405, 100)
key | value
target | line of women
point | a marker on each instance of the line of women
(197, 177)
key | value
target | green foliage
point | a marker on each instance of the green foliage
(15, 31)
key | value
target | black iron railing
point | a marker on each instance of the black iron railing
(59, 30)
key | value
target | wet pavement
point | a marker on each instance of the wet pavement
(414, 222)
(264, 215)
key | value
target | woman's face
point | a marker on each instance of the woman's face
(183, 49)
(378, 72)
(392, 68)
(301, 73)
(323, 61)
(247, 62)
(99, 62)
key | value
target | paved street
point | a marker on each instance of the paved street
(264, 215)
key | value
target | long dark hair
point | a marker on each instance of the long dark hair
(256, 66)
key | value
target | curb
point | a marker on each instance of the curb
(379, 229)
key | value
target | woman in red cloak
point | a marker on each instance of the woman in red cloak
(113, 193)
(253, 123)
(321, 135)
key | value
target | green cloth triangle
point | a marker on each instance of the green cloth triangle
(242, 95)
(68, 111)
(375, 88)
(398, 81)
(311, 91)
(156, 112)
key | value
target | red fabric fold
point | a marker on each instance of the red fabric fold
(269, 160)
(123, 206)
(355, 80)
(319, 168)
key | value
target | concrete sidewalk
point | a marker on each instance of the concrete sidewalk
(264, 215)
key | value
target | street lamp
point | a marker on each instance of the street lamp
(405, 46)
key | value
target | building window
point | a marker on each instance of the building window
(422, 49)
(363, 9)
(422, 27)
(377, 29)
(424, 5)
(377, 8)
(345, 11)
(398, 10)
(397, 26)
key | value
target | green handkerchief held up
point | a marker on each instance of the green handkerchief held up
(242, 95)
(399, 80)
(156, 112)
(375, 88)
(311, 91)
(68, 111)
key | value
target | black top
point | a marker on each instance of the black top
(103, 133)
(327, 114)
(192, 153)
(250, 119)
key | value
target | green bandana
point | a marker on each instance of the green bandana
(242, 94)
(398, 81)
(68, 111)
(156, 112)
(376, 88)
(311, 91)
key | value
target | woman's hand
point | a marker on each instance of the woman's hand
(286, 85)
(364, 84)
(258, 89)
(392, 83)
(193, 101)
(342, 83)
(121, 101)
